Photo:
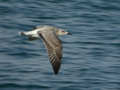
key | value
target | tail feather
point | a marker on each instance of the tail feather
(22, 33)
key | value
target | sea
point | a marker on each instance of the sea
(91, 55)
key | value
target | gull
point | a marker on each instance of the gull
(49, 36)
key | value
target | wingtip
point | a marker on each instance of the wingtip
(56, 69)
(55, 72)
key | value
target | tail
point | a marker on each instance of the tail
(21, 33)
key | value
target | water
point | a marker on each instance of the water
(91, 58)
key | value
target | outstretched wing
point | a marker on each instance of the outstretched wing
(54, 48)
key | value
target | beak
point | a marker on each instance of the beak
(69, 33)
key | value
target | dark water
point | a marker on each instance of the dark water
(91, 58)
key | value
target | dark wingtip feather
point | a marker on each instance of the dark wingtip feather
(56, 68)
(56, 71)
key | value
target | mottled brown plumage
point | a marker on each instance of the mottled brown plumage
(49, 36)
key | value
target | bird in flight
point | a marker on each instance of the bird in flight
(49, 36)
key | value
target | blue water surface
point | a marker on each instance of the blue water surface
(91, 59)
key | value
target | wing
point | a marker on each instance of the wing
(54, 48)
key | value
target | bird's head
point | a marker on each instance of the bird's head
(62, 32)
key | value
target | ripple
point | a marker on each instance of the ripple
(90, 56)
(8, 85)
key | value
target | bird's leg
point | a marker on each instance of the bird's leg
(30, 38)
